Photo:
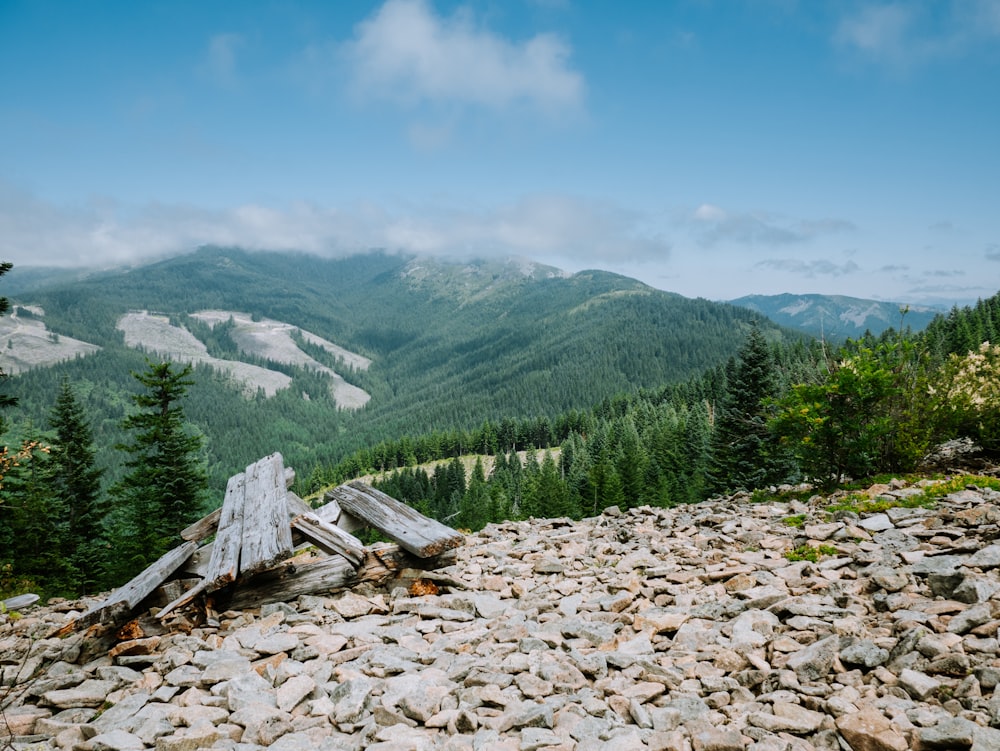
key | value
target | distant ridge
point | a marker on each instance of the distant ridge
(838, 316)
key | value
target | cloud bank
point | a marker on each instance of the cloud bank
(580, 230)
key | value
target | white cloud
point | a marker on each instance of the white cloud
(574, 230)
(903, 34)
(713, 225)
(808, 269)
(406, 53)
(219, 64)
(879, 31)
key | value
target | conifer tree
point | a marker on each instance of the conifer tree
(34, 534)
(744, 455)
(166, 484)
(475, 508)
(5, 401)
(76, 486)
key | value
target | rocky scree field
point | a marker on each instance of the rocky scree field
(863, 622)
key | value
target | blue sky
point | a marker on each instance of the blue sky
(714, 148)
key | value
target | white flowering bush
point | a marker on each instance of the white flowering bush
(966, 395)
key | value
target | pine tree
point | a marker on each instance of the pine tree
(744, 455)
(474, 510)
(166, 484)
(5, 401)
(76, 485)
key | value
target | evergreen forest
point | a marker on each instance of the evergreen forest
(538, 395)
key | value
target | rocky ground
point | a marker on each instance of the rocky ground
(674, 629)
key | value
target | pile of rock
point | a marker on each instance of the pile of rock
(684, 629)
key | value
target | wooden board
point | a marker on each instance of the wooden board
(117, 607)
(204, 527)
(267, 537)
(325, 575)
(224, 565)
(422, 536)
(290, 580)
(329, 538)
(332, 513)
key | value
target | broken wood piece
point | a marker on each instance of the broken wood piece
(184, 599)
(267, 537)
(296, 505)
(207, 525)
(330, 538)
(421, 535)
(19, 601)
(223, 567)
(332, 513)
(204, 527)
(123, 600)
(324, 576)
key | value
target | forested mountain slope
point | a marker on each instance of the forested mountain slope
(451, 345)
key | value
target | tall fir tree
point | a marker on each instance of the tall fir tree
(166, 484)
(744, 455)
(5, 400)
(76, 485)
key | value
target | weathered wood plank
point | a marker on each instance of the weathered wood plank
(124, 600)
(184, 599)
(325, 575)
(330, 538)
(197, 564)
(207, 525)
(267, 537)
(422, 536)
(204, 527)
(18, 601)
(224, 564)
(332, 513)
(296, 505)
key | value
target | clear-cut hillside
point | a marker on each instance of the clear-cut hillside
(267, 339)
(26, 343)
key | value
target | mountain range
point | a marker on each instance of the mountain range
(422, 345)
(838, 317)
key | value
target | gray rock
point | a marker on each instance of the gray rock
(975, 589)
(970, 618)
(90, 693)
(864, 653)
(116, 740)
(118, 715)
(875, 523)
(524, 716)
(952, 733)
(943, 573)
(985, 558)
(249, 689)
(815, 661)
(349, 700)
(918, 685)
